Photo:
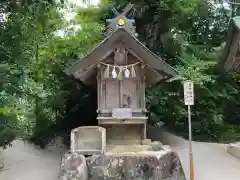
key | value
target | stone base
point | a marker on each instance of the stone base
(148, 165)
(127, 148)
(73, 167)
(234, 149)
(146, 141)
(149, 146)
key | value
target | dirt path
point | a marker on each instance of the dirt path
(24, 162)
(211, 162)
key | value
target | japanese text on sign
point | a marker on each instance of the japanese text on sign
(188, 93)
(120, 113)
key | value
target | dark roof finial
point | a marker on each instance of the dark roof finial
(121, 21)
(125, 10)
(114, 9)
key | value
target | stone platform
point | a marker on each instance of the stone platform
(154, 146)
(144, 165)
(127, 148)
(145, 160)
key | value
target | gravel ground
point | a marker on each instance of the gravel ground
(23, 161)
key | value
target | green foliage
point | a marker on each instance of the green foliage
(34, 87)
(214, 94)
(27, 76)
(37, 100)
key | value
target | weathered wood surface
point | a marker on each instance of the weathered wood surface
(156, 67)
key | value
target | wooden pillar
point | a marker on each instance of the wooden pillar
(99, 86)
(142, 86)
(143, 93)
(145, 131)
(105, 92)
(120, 93)
(143, 102)
(138, 94)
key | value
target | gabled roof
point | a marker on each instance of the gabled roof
(154, 62)
(230, 60)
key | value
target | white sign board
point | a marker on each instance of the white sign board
(188, 93)
(120, 113)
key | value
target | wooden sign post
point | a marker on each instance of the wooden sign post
(189, 101)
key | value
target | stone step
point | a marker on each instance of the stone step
(124, 142)
(127, 148)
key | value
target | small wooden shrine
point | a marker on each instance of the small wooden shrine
(121, 67)
(230, 60)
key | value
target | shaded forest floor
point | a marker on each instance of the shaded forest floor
(23, 161)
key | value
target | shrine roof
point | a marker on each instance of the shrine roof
(230, 60)
(106, 47)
